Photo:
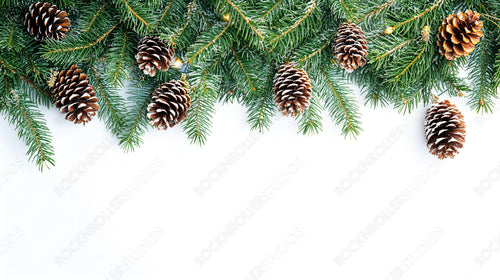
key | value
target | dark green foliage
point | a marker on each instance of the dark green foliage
(338, 99)
(111, 104)
(135, 122)
(23, 114)
(231, 50)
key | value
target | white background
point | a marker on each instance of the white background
(245, 206)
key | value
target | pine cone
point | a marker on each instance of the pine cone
(458, 34)
(350, 46)
(292, 89)
(44, 20)
(152, 54)
(169, 104)
(444, 129)
(74, 96)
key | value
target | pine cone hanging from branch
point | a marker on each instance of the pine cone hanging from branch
(292, 89)
(169, 104)
(74, 96)
(350, 46)
(153, 54)
(44, 20)
(444, 129)
(458, 34)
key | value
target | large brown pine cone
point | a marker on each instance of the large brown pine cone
(169, 104)
(153, 54)
(292, 89)
(458, 34)
(444, 129)
(350, 46)
(44, 20)
(74, 96)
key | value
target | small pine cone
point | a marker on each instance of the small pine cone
(458, 34)
(74, 96)
(444, 129)
(350, 46)
(292, 89)
(44, 20)
(169, 104)
(152, 54)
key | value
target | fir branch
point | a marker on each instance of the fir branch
(347, 9)
(178, 33)
(74, 49)
(243, 18)
(315, 52)
(163, 15)
(260, 111)
(120, 57)
(111, 104)
(410, 99)
(398, 47)
(310, 120)
(92, 21)
(202, 45)
(135, 15)
(135, 121)
(270, 10)
(85, 46)
(482, 73)
(244, 71)
(426, 11)
(409, 65)
(12, 35)
(198, 122)
(32, 129)
(338, 100)
(376, 11)
(3, 64)
(280, 37)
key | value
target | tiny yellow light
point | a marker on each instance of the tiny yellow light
(389, 30)
(226, 17)
(177, 63)
(426, 33)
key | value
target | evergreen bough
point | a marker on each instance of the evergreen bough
(231, 51)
